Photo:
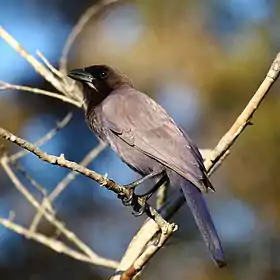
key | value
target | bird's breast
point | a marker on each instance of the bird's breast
(96, 125)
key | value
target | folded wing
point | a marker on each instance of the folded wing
(152, 131)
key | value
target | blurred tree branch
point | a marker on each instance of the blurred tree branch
(83, 20)
(5, 86)
(62, 185)
(142, 247)
(50, 216)
(56, 245)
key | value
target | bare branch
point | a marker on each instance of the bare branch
(205, 153)
(29, 178)
(244, 118)
(84, 19)
(142, 260)
(39, 67)
(130, 262)
(4, 162)
(62, 85)
(5, 86)
(66, 181)
(49, 216)
(51, 68)
(45, 205)
(219, 163)
(56, 245)
(72, 175)
(59, 125)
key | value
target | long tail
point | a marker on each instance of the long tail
(201, 214)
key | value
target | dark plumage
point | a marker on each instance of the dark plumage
(145, 137)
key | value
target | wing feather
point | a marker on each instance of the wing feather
(142, 123)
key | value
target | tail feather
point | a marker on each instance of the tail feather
(201, 214)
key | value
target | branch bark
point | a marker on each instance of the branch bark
(56, 245)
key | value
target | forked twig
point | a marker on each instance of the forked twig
(61, 186)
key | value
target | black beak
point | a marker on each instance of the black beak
(80, 75)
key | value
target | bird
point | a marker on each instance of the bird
(148, 140)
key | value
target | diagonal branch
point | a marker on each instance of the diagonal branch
(59, 125)
(39, 67)
(62, 185)
(94, 153)
(5, 86)
(47, 71)
(49, 215)
(244, 118)
(56, 245)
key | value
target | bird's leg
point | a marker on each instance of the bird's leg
(139, 210)
(136, 183)
(130, 201)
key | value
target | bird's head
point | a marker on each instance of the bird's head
(99, 80)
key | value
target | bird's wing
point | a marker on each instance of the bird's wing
(142, 123)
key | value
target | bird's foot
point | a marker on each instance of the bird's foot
(137, 202)
(127, 200)
(140, 208)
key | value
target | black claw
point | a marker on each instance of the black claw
(139, 211)
(132, 200)
(127, 201)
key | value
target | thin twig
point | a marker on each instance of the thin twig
(5, 164)
(56, 245)
(205, 153)
(49, 216)
(65, 182)
(218, 163)
(45, 205)
(59, 125)
(29, 178)
(130, 258)
(244, 118)
(5, 86)
(51, 68)
(93, 154)
(39, 67)
(83, 20)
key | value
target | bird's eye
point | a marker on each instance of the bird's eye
(103, 75)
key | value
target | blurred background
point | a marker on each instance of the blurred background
(202, 60)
